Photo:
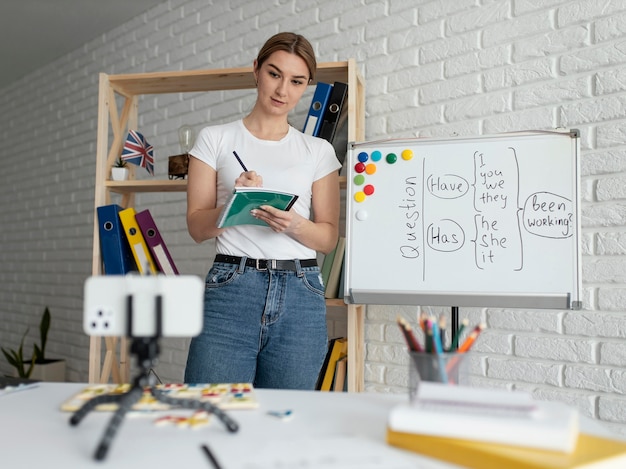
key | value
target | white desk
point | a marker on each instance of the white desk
(327, 430)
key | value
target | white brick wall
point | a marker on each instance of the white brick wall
(432, 68)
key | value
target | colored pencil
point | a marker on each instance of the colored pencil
(456, 335)
(439, 351)
(429, 336)
(442, 330)
(409, 337)
(422, 320)
(471, 338)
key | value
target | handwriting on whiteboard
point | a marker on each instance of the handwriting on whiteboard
(499, 218)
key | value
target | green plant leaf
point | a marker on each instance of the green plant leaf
(11, 357)
(38, 354)
(44, 326)
(16, 359)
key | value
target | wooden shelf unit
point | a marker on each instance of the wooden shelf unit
(117, 122)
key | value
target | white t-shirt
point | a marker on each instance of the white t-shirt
(291, 164)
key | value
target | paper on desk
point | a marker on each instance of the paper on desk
(334, 452)
(488, 415)
(10, 385)
(17, 388)
(466, 399)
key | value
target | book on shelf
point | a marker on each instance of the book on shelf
(237, 208)
(223, 395)
(319, 101)
(337, 347)
(117, 257)
(334, 277)
(324, 368)
(137, 242)
(488, 416)
(340, 383)
(590, 452)
(342, 277)
(156, 243)
(327, 264)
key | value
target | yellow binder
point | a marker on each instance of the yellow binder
(138, 245)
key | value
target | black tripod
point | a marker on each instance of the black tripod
(147, 351)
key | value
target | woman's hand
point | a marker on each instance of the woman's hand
(278, 220)
(319, 233)
(249, 179)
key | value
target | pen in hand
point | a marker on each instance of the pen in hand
(240, 162)
(249, 178)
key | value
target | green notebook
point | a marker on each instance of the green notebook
(243, 199)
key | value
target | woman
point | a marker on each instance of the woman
(265, 321)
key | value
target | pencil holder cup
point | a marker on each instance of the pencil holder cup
(448, 368)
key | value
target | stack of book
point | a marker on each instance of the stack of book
(131, 241)
(495, 429)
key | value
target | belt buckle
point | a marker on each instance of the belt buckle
(258, 264)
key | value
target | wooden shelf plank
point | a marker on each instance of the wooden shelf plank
(147, 185)
(161, 185)
(207, 80)
(335, 302)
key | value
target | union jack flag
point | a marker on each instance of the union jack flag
(138, 151)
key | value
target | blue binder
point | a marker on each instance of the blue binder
(319, 102)
(117, 258)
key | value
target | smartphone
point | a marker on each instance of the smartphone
(128, 305)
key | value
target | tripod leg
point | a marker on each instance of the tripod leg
(126, 401)
(231, 425)
(91, 404)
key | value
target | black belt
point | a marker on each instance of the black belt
(265, 264)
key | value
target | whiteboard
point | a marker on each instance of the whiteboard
(488, 221)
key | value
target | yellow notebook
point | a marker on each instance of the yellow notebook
(591, 452)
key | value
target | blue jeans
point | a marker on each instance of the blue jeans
(263, 327)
